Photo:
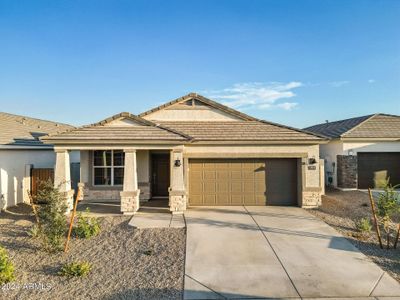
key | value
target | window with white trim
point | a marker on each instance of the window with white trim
(108, 167)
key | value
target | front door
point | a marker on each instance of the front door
(160, 175)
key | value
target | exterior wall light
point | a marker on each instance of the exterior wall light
(177, 163)
(351, 152)
(312, 161)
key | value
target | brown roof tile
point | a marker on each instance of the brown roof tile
(238, 131)
(375, 126)
(24, 131)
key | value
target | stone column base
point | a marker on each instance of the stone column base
(69, 199)
(177, 201)
(311, 197)
(129, 202)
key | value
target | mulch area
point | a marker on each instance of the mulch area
(127, 263)
(341, 209)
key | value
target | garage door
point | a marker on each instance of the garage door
(242, 182)
(375, 167)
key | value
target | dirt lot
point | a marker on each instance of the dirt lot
(121, 268)
(340, 210)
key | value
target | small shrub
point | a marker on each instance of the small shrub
(388, 209)
(6, 267)
(75, 269)
(87, 227)
(34, 231)
(148, 252)
(364, 225)
(52, 217)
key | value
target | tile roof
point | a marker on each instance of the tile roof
(143, 131)
(248, 129)
(24, 131)
(205, 100)
(375, 126)
(238, 131)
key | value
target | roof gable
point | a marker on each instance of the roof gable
(377, 126)
(194, 107)
(120, 128)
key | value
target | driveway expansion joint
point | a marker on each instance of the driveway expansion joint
(273, 250)
(377, 282)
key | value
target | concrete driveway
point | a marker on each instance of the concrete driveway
(275, 252)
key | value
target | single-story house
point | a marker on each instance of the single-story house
(21, 152)
(192, 151)
(363, 152)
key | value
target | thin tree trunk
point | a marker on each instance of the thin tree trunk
(397, 237)
(378, 233)
(71, 223)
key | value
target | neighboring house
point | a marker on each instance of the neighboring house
(192, 151)
(363, 152)
(21, 151)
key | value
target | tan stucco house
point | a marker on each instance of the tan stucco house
(363, 152)
(192, 151)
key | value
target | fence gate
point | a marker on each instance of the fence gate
(38, 176)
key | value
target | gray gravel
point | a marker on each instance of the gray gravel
(121, 268)
(341, 209)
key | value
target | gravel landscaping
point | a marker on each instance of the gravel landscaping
(127, 263)
(341, 209)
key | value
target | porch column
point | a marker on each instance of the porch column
(130, 193)
(62, 176)
(177, 191)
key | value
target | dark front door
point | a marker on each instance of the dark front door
(160, 175)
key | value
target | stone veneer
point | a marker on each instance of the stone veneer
(347, 171)
(177, 201)
(104, 194)
(311, 197)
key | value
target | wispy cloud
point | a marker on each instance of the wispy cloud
(257, 95)
(371, 80)
(339, 83)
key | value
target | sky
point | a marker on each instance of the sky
(294, 62)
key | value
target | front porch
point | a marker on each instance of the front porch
(126, 179)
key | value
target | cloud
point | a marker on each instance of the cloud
(339, 83)
(257, 95)
(371, 80)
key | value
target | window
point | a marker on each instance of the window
(108, 167)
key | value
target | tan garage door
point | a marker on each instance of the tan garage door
(242, 182)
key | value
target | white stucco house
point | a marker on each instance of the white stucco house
(21, 151)
(363, 152)
(191, 151)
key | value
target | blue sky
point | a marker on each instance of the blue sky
(292, 62)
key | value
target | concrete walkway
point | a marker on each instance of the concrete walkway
(156, 218)
(275, 252)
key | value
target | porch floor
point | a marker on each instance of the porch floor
(101, 209)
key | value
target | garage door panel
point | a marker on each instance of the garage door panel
(236, 186)
(248, 187)
(196, 199)
(223, 199)
(209, 187)
(209, 175)
(223, 187)
(209, 199)
(242, 181)
(236, 175)
(236, 199)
